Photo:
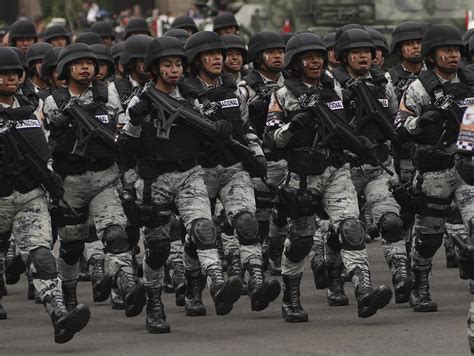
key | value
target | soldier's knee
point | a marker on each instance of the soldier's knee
(71, 252)
(44, 263)
(299, 248)
(428, 244)
(203, 234)
(157, 252)
(115, 240)
(246, 227)
(4, 240)
(352, 235)
(391, 227)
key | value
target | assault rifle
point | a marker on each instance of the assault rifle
(88, 128)
(370, 109)
(451, 112)
(267, 91)
(332, 128)
(23, 151)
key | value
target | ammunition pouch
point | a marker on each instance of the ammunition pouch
(264, 199)
(299, 202)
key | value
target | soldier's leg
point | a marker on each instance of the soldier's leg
(238, 199)
(385, 213)
(175, 260)
(340, 200)
(318, 257)
(454, 225)
(4, 237)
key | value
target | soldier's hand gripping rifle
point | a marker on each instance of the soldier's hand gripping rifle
(88, 128)
(24, 151)
(332, 128)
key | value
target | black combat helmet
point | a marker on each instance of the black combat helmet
(351, 39)
(225, 19)
(136, 24)
(406, 31)
(71, 53)
(304, 42)
(330, 40)
(262, 41)
(37, 52)
(103, 29)
(116, 51)
(165, 46)
(135, 47)
(50, 61)
(55, 31)
(184, 22)
(22, 57)
(89, 38)
(22, 29)
(344, 28)
(286, 36)
(202, 42)
(9, 60)
(179, 33)
(440, 36)
(103, 54)
(379, 40)
(235, 42)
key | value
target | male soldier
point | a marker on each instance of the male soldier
(56, 36)
(169, 175)
(34, 57)
(236, 56)
(23, 35)
(24, 207)
(225, 24)
(226, 178)
(317, 167)
(355, 50)
(91, 179)
(105, 31)
(435, 131)
(267, 53)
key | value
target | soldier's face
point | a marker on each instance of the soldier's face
(411, 51)
(9, 82)
(378, 60)
(171, 70)
(228, 30)
(24, 43)
(138, 68)
(58, 41)
(313, 65)
(359, 59)
(447, 59)
(103, 70)
(233, 60)
(212, 62)
(273, 59)
(82, 70)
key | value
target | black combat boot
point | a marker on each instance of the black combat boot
(155, 313)
(194, 287)
(420, 298)
(318, 266)
(234, 266)
(335, 292)
(3, 313)
(101, 282)
(261, 292)
(66, 323)
(69, 294)
(274, 260)
(291, 309)
(401, 278)
(133, 294)
(179, 283)
(369, 300)
(224, 293)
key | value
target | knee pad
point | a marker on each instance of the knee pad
(157, 252)
(44, 263)
(428, 244)
(133, 236)
(391, 227)
(263, 230)
(352, 235)
(246, 227)
(202, 233)
(71, 252)
(115, 240)
(4, 241)
(300, 246)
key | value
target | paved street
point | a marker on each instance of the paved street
(396, 330)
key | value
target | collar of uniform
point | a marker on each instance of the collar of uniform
(176, 93)
(208, 86)
(280, 81)
(133, 82)
(454, 80)
(311, 86)
(84, 93)
(15, 104)
(423, 68)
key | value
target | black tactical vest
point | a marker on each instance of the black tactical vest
(255, 81)
(401, 79)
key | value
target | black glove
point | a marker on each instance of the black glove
(368, 145)
(57, 121)
(138, 111)
(258, 108)
(300, 121)
(223, 129)
(56, 190)
(429, 118)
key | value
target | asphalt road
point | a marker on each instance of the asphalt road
(395, 330)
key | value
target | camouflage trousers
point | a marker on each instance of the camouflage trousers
(26, 216)
(439, 189)
(339, 200)
(233, 187)
(96, 192)
(187, 192)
